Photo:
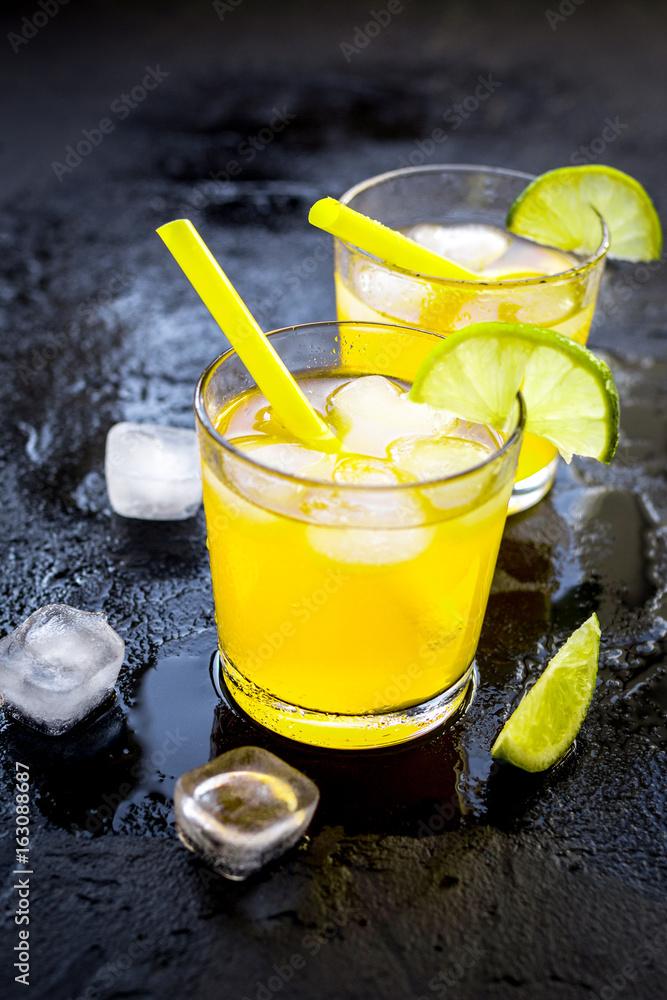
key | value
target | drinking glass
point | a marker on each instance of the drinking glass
(348, 615)
(370, 289)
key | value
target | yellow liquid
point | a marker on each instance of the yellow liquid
(566, 305)
(338, 620)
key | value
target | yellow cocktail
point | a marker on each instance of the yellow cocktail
(459, 211)
(350, 588)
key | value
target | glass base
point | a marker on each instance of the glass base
(344, 732)
(528, 492)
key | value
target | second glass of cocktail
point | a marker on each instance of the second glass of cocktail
(350, 587)
(460, 212)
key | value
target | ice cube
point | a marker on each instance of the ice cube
(529, 258)
(373, 527)
(426, 458)
(267, 490)
(243, 809)
(358, 470)
(369, 546)
(371, 412)
(286, 456)
(472, 245)
(58, 666)
(153, 472)
(393, 295)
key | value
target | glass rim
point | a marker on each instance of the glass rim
(207, 424)
(588, 264)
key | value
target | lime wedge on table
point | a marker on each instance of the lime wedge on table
(570, 395)
(550, 715)
(561, 208)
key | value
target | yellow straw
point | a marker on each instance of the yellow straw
(387, 244)
(245, 335)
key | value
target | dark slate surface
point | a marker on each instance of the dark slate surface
(428, 873)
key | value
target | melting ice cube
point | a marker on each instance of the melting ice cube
(428, 459)
(373, 527)
(369, 546)
(58, 666)
(472, 245)
(268, 491)
(371, 412)
(358, 470)
(243, 809)
(153, 472)
(286, 456)
(437, 458)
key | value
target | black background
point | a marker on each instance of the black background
(428, 872)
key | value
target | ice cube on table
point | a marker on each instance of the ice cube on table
(243, 809)
(152, 472)
(472, 245)
(58, 666)
(371, 412)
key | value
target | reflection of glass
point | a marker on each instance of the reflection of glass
(371, 290)
(363, 800)
(348, 615)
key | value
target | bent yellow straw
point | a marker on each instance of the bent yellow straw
(244, 334)
(387, 244)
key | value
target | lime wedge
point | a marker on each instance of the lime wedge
(550, 715)
(570, 395)
(562, 208)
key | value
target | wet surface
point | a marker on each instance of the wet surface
(428, 868)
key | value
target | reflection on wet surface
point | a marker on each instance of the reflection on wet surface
(594, 545)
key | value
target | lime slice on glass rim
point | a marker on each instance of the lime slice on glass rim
(562, 208)
(570, 395)
(549, 716)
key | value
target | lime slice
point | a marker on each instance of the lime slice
(570, 395)
(562, 208)
(550, 715)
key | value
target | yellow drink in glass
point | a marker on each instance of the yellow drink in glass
(350, 589)
(459, 211)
